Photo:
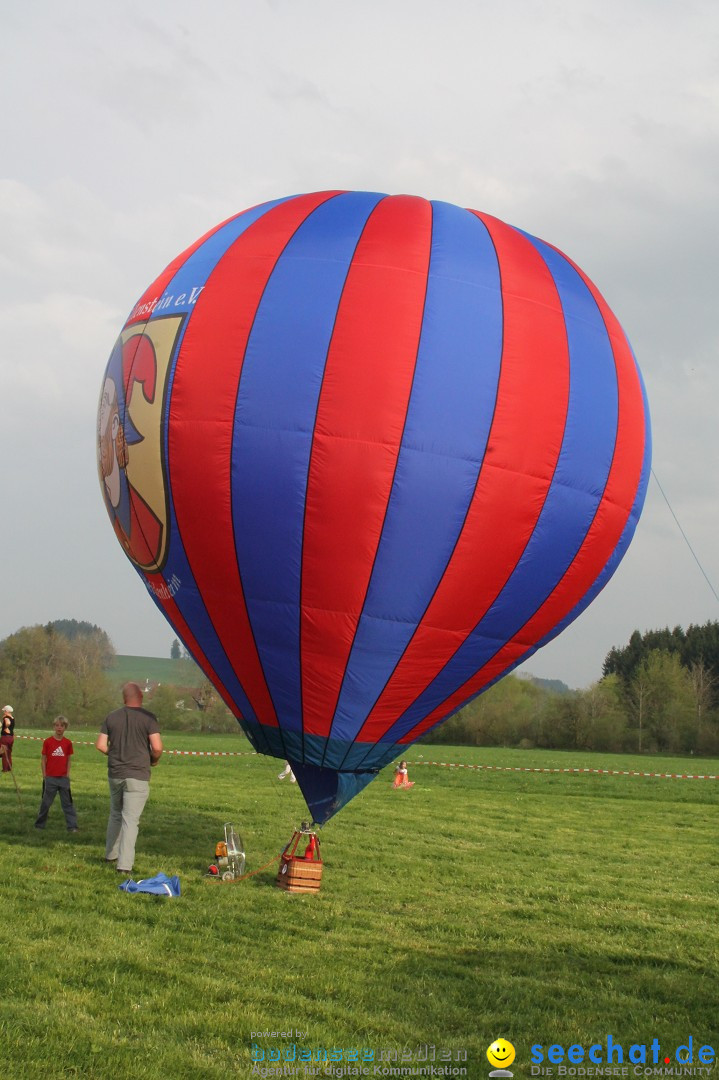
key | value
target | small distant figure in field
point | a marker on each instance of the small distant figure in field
(7, 737)
(55, 761)
(401, 776)
(287, 771)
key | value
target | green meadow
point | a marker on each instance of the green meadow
(545, 908)
(154, 669)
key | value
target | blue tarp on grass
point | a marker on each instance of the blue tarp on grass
(159, 885)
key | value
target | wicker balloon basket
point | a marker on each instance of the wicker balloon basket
(301, 872)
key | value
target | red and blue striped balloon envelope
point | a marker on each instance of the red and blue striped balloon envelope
(368, 454)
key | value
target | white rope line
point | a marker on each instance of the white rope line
(183, 753)
(576, 771)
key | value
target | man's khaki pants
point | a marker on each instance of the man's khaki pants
(127, 801)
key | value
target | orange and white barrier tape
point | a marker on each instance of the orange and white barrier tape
(444, 764)
(213, 753)
(183, 753)
(546, 769)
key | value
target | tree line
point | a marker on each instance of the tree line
(57, 669)
(65, 668)
(659, 693)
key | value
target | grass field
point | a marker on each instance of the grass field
(542, 907)
(155, 669)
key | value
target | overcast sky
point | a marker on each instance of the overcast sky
(130, 129)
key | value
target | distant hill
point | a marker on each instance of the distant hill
(155, 669)
(552, 686)
(556, 686)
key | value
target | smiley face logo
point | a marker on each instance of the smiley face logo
(500, 1054)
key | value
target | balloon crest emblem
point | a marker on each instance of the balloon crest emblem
(130, 454)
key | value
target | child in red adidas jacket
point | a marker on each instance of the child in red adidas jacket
(55, 763)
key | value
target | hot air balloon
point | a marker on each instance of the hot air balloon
(369, 453)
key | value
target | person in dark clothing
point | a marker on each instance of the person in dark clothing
(7, 737)
(131, 740)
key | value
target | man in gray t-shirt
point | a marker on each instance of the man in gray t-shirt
(131, 740)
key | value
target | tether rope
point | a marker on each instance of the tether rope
(686, 538)
(252, 873)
